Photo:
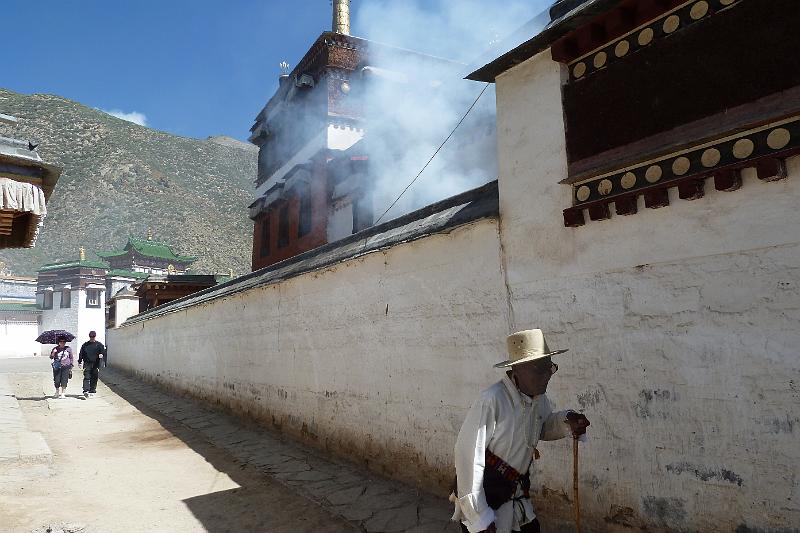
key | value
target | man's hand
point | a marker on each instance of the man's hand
(577, 423)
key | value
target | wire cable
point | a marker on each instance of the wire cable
(434, 155)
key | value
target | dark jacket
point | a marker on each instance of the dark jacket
(90, 352)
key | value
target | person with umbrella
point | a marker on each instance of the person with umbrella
(61, 355)
(62, 366)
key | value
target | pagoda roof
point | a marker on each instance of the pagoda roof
(72, 264)
(148, 248)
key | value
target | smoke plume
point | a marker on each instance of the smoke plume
(413, 102)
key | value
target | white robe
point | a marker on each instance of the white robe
(510, 424)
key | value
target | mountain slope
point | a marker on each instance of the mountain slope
(122, 179)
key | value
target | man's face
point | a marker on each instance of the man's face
(532, 377)
(91, 339)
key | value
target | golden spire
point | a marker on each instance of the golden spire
(82, 253)
(341, 17)
(149, 234)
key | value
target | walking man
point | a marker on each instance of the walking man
(92, 352)
(496, 446)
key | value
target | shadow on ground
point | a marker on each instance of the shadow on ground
(284, 486)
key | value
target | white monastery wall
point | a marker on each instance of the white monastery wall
(125, 308)
(377, 357)
(17, 337)
(682, 325)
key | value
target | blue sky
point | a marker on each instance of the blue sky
(193, 68)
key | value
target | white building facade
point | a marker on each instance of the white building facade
(71, 296)
(19, 317)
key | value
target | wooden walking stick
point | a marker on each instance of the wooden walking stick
(575, 484)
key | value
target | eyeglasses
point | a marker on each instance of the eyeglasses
(542, 368)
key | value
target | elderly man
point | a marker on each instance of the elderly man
(496, 446)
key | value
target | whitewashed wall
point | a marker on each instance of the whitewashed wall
(17, 336)
(682, 324)
(126, 307)
(378, 357)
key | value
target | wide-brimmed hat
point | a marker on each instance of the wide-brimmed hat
(524, 346)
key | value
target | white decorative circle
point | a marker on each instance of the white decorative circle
(628, 180)
(582, 194)
(604, 187)
(671, 23)
(653, 174)
(622, 48)
(699, 10)
(710, 158)
(646, 36)
(743, 148)
(600, 60)
(579, 70)
(681, 166)
(778, 138)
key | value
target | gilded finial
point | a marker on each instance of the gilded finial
(149, 234)
(82, 253)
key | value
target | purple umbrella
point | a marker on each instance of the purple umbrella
(51, 336)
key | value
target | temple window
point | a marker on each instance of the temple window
(92, 297)
(264, 250)
(66, 299)
(304, 227)
(283, 226)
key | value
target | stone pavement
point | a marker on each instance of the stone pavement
(371, 503)
(17, 442)
(115, 468)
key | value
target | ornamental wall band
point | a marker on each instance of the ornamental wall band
(667, 94)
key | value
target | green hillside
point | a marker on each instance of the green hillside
(122, 179)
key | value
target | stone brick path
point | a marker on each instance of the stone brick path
(371, 503)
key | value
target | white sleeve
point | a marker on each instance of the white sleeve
(470, 456)
(555, 422)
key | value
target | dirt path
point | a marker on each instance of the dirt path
(116, 469)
